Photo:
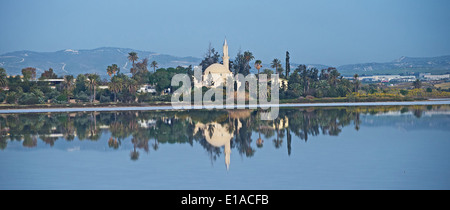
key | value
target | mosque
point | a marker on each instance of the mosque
(216, 74)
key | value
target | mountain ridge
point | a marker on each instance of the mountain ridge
(71, 61)
(404, 64)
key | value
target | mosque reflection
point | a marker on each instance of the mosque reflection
(218, 132)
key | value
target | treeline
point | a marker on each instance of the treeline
(121, 87)
(301, 83)
(124, 87)
(309, 83)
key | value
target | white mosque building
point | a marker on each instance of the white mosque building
(216, 74)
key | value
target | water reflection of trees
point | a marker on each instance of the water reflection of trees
(149, 130)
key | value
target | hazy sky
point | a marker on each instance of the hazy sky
(329, 32)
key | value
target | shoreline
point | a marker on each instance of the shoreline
(168, 107)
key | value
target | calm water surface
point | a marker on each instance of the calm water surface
(390, 147)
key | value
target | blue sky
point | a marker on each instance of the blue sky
(332, 32)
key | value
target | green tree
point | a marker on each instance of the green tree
(29, 73)
(356, 82)
(162, 77)
(133, 57)
(276, 64)
(404, 92)
(267, 71)
(248, 56)
(92, 83)
(131, 85)
(68, 86)
(241, 63)
(141, 67)
(49, 74)
(80, 84)
(3, 76)
(211, 57)
(295, 88)
(417, 84)
(116, 86)
(154, 65)
(288, 64)
(333, 76)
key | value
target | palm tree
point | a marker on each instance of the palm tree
(92, 83)
(258, 65)
(154, 65)
(3, 75)
(112, 70)
(131, 85)
(109, 70)
(133, 57)
(248, 56)
(68, 86)
(333, 76)
(356, 82)
(115, 86)
(276, 64)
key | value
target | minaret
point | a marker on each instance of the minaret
(226, 58)
(227, 154)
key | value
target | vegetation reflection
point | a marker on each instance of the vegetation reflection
(218, 132)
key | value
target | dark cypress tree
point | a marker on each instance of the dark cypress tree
(288, 64)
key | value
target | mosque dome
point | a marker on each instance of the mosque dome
(217, 68)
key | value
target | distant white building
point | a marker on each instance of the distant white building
(436, 77)
(398, 78)
(386, 78)
(146, 89)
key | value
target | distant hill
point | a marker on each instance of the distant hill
(85, 61)
(436, 65)
(95, 61)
